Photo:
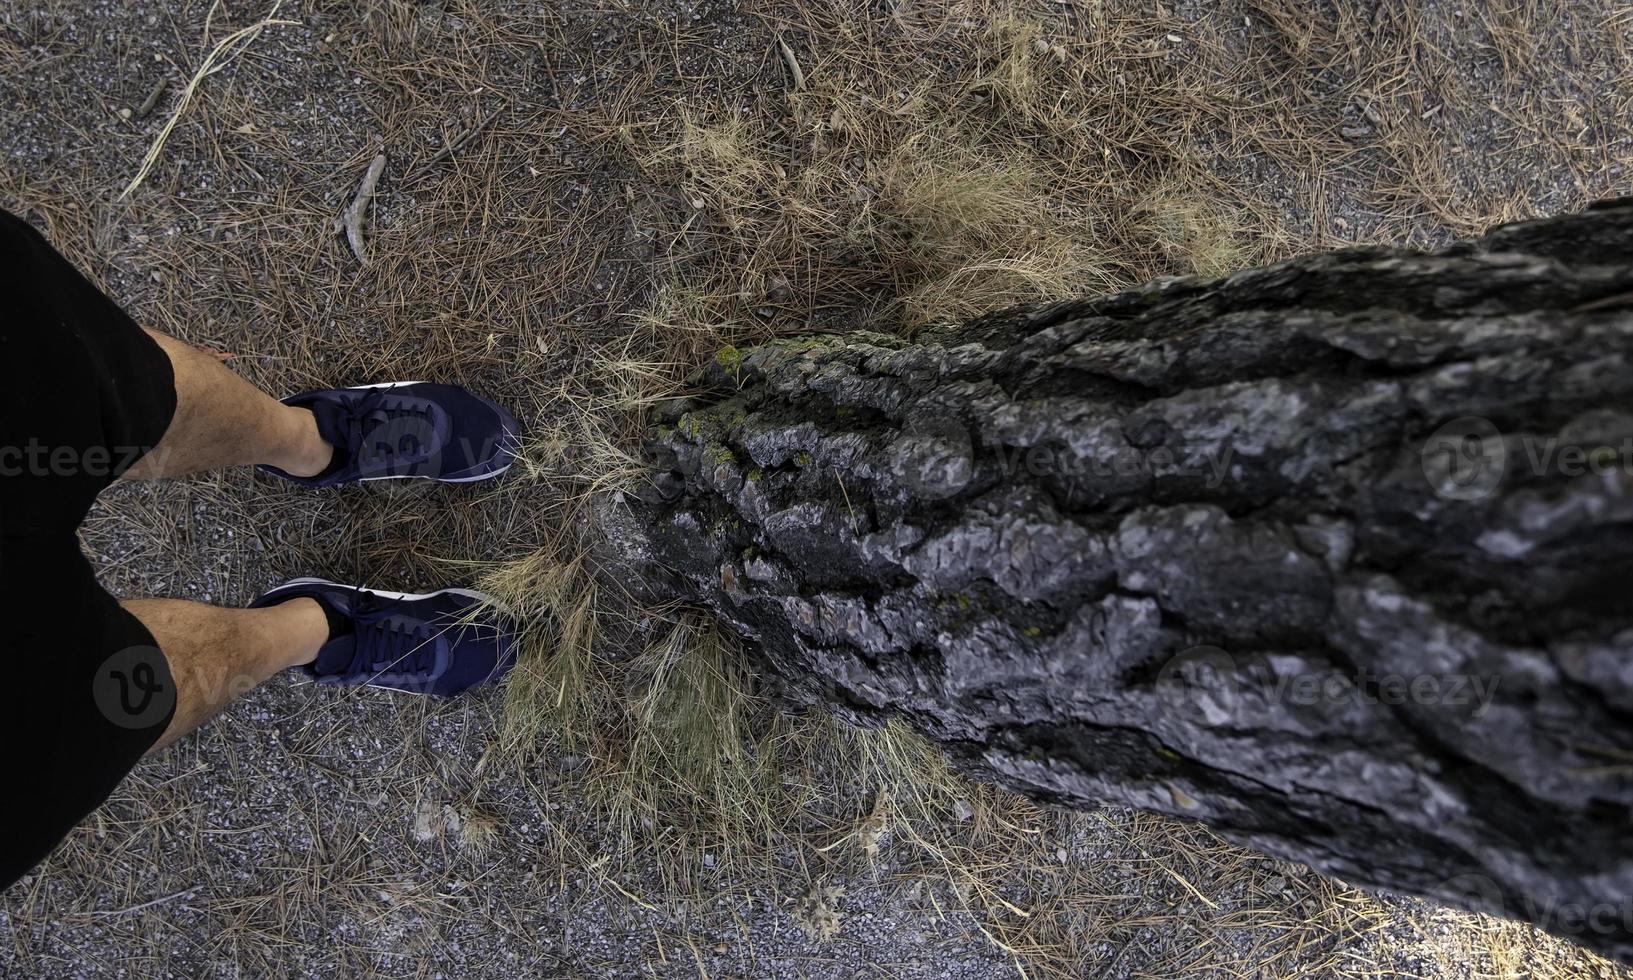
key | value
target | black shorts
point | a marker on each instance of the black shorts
(84, 393)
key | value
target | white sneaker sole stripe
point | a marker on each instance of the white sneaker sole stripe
(387, 594)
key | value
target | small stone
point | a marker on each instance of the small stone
(1182, 799)
(425, 820)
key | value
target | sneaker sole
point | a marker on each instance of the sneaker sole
(386, 593)
(409, 476)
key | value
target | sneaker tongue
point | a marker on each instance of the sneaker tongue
(331, 419)
(390, 432)
(402, 438)
(335, 417)
(335, 657)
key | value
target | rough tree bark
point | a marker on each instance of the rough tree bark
(1334, 555)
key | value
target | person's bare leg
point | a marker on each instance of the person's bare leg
(217, 654)
(222, 420)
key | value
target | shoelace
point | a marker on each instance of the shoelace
(384, 646)
(378, 410)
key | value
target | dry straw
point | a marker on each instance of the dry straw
(219, 57)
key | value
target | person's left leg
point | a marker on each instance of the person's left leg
(221, 420)
(326, 437)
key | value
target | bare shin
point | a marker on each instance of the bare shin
(217, 654)
(222, 420)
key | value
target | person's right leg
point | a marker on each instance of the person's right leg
(438, 643)
(218, 654)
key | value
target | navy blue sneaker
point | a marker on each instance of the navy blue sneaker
(437, 643)
(408, 429)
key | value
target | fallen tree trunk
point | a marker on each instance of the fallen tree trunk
(1335, 555)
